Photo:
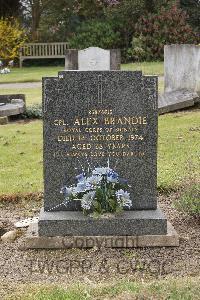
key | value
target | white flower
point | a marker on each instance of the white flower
(94, 179)
(123, 198)
(5, 71)
(101, 171)
(86, 201)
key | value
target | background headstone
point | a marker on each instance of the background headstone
(181, 78)
(93, 58)
(8, 98)
(182, 67)
(13, 104)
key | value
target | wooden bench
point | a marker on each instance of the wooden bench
(42, 50)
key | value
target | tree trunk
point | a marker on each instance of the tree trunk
(36, 14)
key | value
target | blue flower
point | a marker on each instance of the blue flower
(112, 177)
(94, 180)
(80, 177)
(66, 191)
(81, 187)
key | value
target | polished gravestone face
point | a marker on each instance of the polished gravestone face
(92, 118)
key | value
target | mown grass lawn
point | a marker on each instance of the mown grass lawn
(172, 289)
(33, 95)
(30, 74)
(178, 153)
(147, 68)
(21, 157)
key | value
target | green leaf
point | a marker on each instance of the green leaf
(97, 207)
(112, 203)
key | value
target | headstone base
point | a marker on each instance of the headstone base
(176, 100)
(74, 223)
(33, 241)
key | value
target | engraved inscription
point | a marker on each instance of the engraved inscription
(102, 134)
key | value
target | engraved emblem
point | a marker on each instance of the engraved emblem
(92, 62)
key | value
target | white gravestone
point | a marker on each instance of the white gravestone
(182, 67)
(94, 58)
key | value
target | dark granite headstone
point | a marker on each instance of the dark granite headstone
(92, 118)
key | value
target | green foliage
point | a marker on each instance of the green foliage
(57, 21)
(123, 16)
(156, 30)
(94, 33)
(33, 112)
(189, 201)
(192, 7)
(136, 52)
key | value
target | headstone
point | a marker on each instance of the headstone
(93, 58)
(13, 104)
(10, 97)
(182, 67)
(181, 78)
(90, 119)
(16, 107)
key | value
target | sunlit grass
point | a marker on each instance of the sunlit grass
(147, 68)
(33, 95)
(21, 157)
(30, 74)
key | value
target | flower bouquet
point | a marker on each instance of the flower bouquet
(100, 192)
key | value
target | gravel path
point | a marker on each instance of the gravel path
(90, 266)
(22, 85)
